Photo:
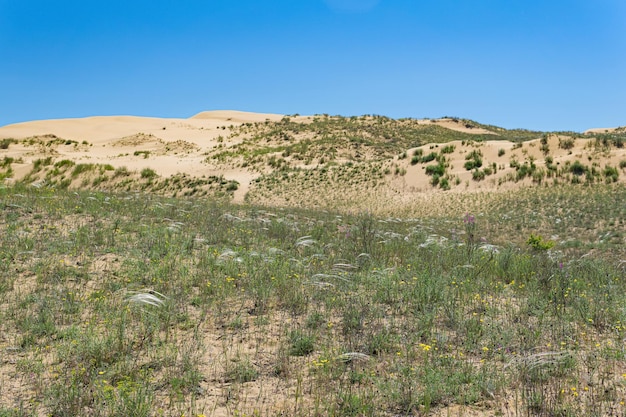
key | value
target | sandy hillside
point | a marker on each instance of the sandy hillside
(244, 154)
(174, 145)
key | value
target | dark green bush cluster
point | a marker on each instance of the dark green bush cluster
(420, 158)
(5, 143)
(447, 149)
(438, 169)
(7, 161)
(148, 173)
(566, 143)
(474, 160)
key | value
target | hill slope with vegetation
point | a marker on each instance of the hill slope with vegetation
(260, 265)
(315, 161)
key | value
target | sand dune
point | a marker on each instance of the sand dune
(105, 128)
(457, 125)
(236, 116)
(171, 146)
(167, 145)
(605, 130)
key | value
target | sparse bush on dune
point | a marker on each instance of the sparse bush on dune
(577, 168)
(429, 157)
(474, 159)
(566, 143)
(438, 169)
(148, 173)
(82, 168)
(6, 142)
(448, 149)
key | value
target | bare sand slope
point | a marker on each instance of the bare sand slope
(102, 129)
(233, 116)
(456, 124)
(167, 145)
(606, 130)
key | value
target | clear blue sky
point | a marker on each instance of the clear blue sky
(537, 64)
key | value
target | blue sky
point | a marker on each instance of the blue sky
(536, 64)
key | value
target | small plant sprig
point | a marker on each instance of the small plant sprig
(469, 221)
(538, 243)
(147, 297)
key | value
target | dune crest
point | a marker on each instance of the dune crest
(236, 116)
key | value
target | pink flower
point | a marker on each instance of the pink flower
(468, 219)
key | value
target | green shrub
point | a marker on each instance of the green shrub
(478, 175)
(470, 165)
(428, 158)
(448, 149)
(538, 175)
(242, 371)
(524, 170)
(567, 143)
(438, 169)
(300, 344)
(64, 163)
(40, 163)
(577, 168)
(474, 160)
(232, 186)
(444, 184)
(145, 154)
(5, 143)
(147, 173)
(7, 161)
(538, 243)
(99, 180)
(121, 172)
(81, 168)
(611, 174)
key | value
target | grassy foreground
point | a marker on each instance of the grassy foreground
(137, 305)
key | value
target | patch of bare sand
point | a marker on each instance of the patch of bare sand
(233, 116)
(99, 130)
(605, 130)
(457, 125)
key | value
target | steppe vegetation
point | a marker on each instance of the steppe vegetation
(138, 305)
(376, 267)
(323, 139)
